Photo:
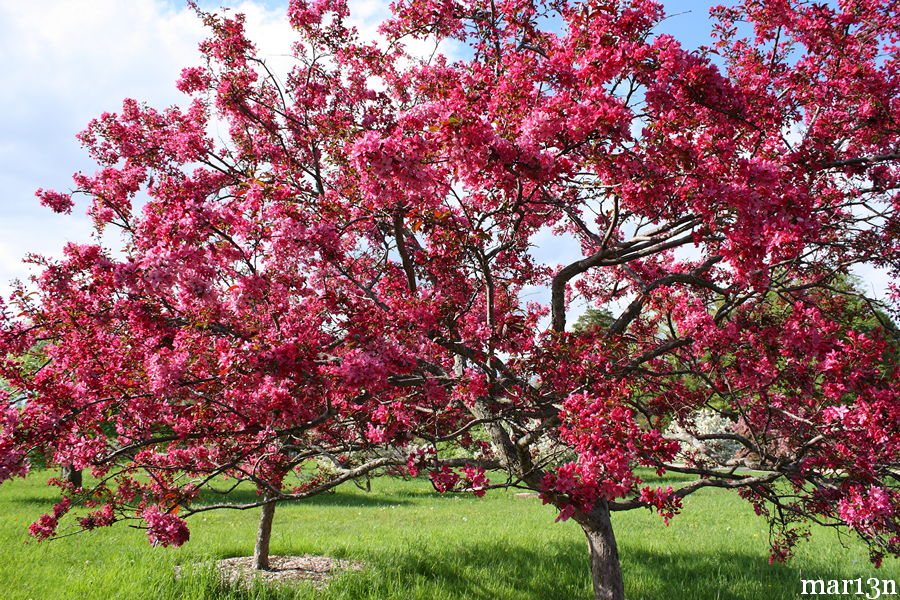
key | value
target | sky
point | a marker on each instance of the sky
(64, 62)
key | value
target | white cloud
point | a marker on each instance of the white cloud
(63, 63)
(36, 234)
(66, 61)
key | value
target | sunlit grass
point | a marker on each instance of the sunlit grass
(423, 546)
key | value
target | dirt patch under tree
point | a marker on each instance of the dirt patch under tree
(316, 570)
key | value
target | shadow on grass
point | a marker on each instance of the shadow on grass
(494, 571)
(559, 571)
(43, 501)
(339, 498)
(351, 498)
(713, 575)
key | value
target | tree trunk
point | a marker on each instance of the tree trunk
(264, 536)
(73, 476)
(606, 573)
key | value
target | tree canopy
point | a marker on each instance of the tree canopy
(351, 274)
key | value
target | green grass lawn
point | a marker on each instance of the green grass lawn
(423, 546)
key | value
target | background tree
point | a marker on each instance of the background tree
(594, 318)
(348, 271)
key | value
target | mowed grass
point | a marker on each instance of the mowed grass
(420, 545)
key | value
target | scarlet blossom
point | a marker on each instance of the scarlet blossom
(380, 262)
(43, 528)
(98, 518)
(57, 202)
(165, 529)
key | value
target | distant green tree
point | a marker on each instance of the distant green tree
(33, 362)
(594, 318)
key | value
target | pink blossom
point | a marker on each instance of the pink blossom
(61, 203)
(164, 529)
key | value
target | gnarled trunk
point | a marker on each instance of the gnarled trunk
(264, 536)
(606, 573)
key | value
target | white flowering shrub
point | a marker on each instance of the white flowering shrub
(703, 422)
(549, 453)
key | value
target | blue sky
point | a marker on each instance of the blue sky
(64, 62)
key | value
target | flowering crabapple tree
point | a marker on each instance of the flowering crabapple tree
(353, 271)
